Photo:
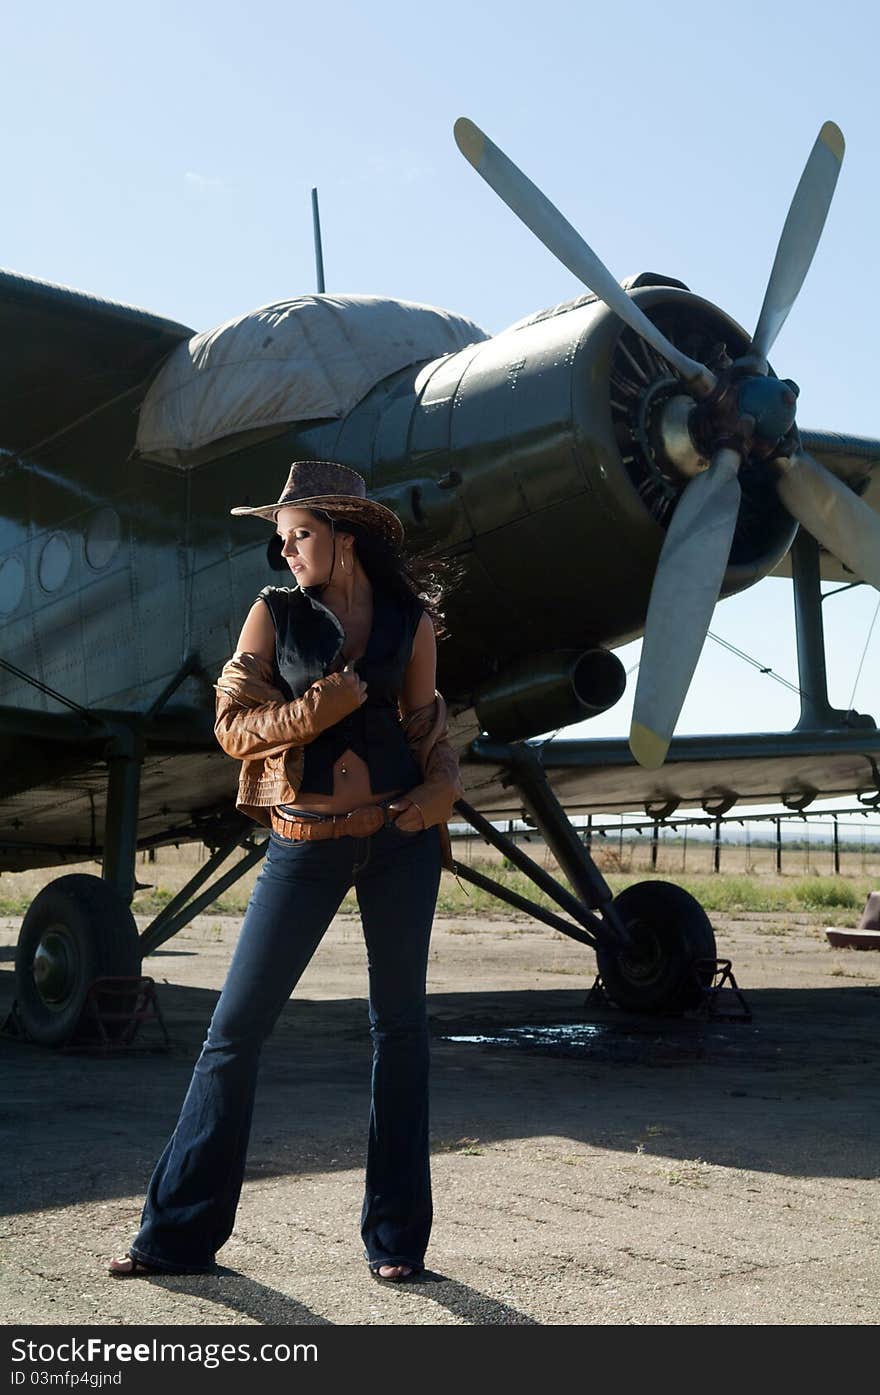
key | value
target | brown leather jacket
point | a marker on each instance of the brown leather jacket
(255, 725)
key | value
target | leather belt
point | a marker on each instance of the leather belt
(360, 823)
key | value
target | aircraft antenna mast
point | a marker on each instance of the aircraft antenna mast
(319, 255)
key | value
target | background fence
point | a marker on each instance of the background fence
(836, 843)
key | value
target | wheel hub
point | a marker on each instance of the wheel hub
(644, 959)
(55, 966)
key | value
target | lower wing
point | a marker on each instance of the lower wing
(713, 773)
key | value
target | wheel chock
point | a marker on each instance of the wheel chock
(718, 987)
(114, 1010)
(113, 1013)
(723, 1000)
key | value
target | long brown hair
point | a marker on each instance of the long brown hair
(429, 578)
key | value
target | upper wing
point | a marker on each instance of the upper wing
(710, 772)
(856, 461)
(66, 353)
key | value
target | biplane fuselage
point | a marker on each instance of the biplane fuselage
(532, 457)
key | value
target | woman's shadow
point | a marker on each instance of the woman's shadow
(231, 1289)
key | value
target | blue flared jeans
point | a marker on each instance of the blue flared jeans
(193, 1193)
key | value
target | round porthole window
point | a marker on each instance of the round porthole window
(54, 562)
(103, 532)
(11, 584)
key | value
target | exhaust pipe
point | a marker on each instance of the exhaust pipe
(546, 691)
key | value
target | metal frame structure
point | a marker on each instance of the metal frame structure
(817, 714)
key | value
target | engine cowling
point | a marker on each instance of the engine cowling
(539, 453)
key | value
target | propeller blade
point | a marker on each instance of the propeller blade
(686, 588)
(557, 234)
(800, 235)
(836, 517)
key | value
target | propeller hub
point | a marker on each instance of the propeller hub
(750, 412)
(771, 404)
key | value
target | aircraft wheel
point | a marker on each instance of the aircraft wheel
(670, 931)
(76, 929)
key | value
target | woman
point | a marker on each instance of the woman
(330, 704)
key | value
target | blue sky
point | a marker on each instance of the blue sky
(163, 155)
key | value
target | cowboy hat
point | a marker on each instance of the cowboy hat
(341, 492)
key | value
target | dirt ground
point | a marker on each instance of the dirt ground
(628, 1171)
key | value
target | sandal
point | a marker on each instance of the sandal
(412, 1272)
(136, 1268)
(128, 1267)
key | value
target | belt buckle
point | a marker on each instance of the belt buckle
(368, 809)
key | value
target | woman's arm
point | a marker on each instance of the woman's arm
(419, 688)
(246, 729)
(420, 679)
(258, 633)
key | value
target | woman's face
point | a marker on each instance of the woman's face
(307, 545)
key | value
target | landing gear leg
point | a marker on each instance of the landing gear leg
(556, 829)
(648, 939)
(120, 829)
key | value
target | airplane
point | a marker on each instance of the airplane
(638, 427)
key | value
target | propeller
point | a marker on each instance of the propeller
(742, 413)
(684, 594)
(808, 490)
(800, 235)
(543, 218)
(838, 519)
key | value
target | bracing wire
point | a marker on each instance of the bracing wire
(864, 653)
(755, 663)
(747, 658)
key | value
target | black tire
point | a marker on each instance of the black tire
(77, 929)
(670, 932)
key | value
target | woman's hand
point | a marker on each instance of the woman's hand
(348, 679)
(406, 814)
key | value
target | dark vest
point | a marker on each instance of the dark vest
(308, 645)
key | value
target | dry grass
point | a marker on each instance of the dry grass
(733, 890)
